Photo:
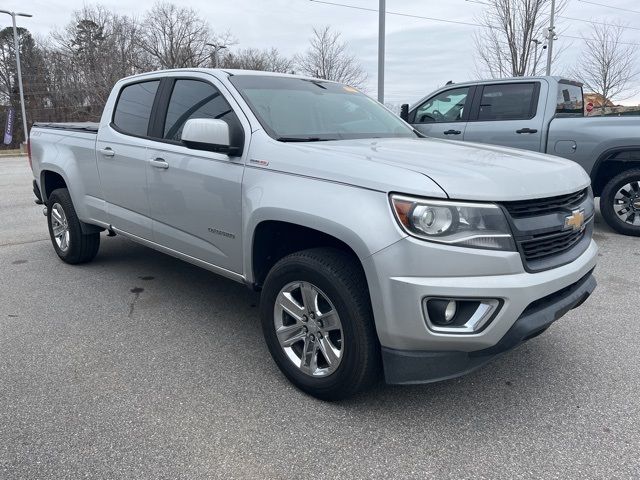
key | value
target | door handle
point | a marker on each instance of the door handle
(452, 132)
(158, 163)
(107, 152)
(527, 130)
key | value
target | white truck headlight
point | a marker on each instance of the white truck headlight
(463, 224)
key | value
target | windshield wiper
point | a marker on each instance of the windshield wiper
(304, 139)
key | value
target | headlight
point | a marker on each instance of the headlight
(464, 224)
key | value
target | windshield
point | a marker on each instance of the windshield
(296, 109)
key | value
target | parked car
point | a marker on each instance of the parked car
(544, 114)
(373, 248)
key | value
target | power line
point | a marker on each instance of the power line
(399, 14)
(588, 40)
(597, 23)
(609, 6)
(458, 22)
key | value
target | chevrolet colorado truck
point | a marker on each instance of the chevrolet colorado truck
(544, 114)
(375, 249)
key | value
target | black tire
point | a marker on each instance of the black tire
(607, 199)
(81, 247)
(342, 280)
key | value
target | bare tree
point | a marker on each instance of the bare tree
(269, 60)
(175, 37)
(607, 66)
(505, 46)
(329, 58)
(90, 54)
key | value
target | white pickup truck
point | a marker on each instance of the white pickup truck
(375, 249)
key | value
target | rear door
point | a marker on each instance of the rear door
(445, 114)
(509, 114)
(122, 159)
(195, 195)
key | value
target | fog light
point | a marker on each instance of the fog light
(460, 315)
(450, 311)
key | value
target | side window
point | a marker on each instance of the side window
(197, 99)
(570, 102)
(508, 101)
(133, 109)
(443, 108)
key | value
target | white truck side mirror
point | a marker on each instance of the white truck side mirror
(206, 134)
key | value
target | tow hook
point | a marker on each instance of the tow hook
(45, 211)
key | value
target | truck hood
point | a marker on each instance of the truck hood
(465, 171)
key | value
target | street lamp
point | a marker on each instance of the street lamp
(15, 42)
(214, 54)
(382, 13)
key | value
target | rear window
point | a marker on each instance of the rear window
(133, 109)
(570, 102)
(508, 101)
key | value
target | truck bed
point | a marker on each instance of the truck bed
(88, 127)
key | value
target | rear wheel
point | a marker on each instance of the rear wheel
(318, 324)
(620, 202)
(65, 230)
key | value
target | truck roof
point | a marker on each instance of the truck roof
(552, 78)
(228, 71)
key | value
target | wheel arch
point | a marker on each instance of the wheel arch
(49, 181)
(611, 163)
(274, 239)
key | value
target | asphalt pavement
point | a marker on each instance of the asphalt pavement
(141, 366)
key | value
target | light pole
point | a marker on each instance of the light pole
(551, 36)
(214, 54)
(381, 40)
(17, 47)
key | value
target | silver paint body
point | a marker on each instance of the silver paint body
(340, 187)
(584, 140)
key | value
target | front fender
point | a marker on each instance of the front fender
(359, 217)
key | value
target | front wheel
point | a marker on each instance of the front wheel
(318, 324)
(620, 202)
(65, 230)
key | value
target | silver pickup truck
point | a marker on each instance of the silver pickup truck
(544, 114)
(374, 249)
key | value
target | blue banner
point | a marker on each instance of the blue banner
(8, 129)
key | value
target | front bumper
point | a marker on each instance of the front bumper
(407, 367)
(413, 353)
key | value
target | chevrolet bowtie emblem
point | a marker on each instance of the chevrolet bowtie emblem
(574, 221)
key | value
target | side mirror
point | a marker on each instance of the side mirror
(207, 134)
(404, 112)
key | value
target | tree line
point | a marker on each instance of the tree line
(68, 75)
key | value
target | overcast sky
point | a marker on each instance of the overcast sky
(421, 54)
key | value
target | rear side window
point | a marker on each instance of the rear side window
(570, 101)
(509, 101)
(133, 109)
(196, 99)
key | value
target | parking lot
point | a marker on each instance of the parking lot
(141, 366)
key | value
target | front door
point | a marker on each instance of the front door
(195, 195)
(443, 115)
(122, 159)
(509, 114)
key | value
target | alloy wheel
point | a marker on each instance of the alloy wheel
(626, 203)
(60, 227)
(308, 328)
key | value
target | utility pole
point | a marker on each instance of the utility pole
(551, 37)
(17, 49)
(381, 41)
